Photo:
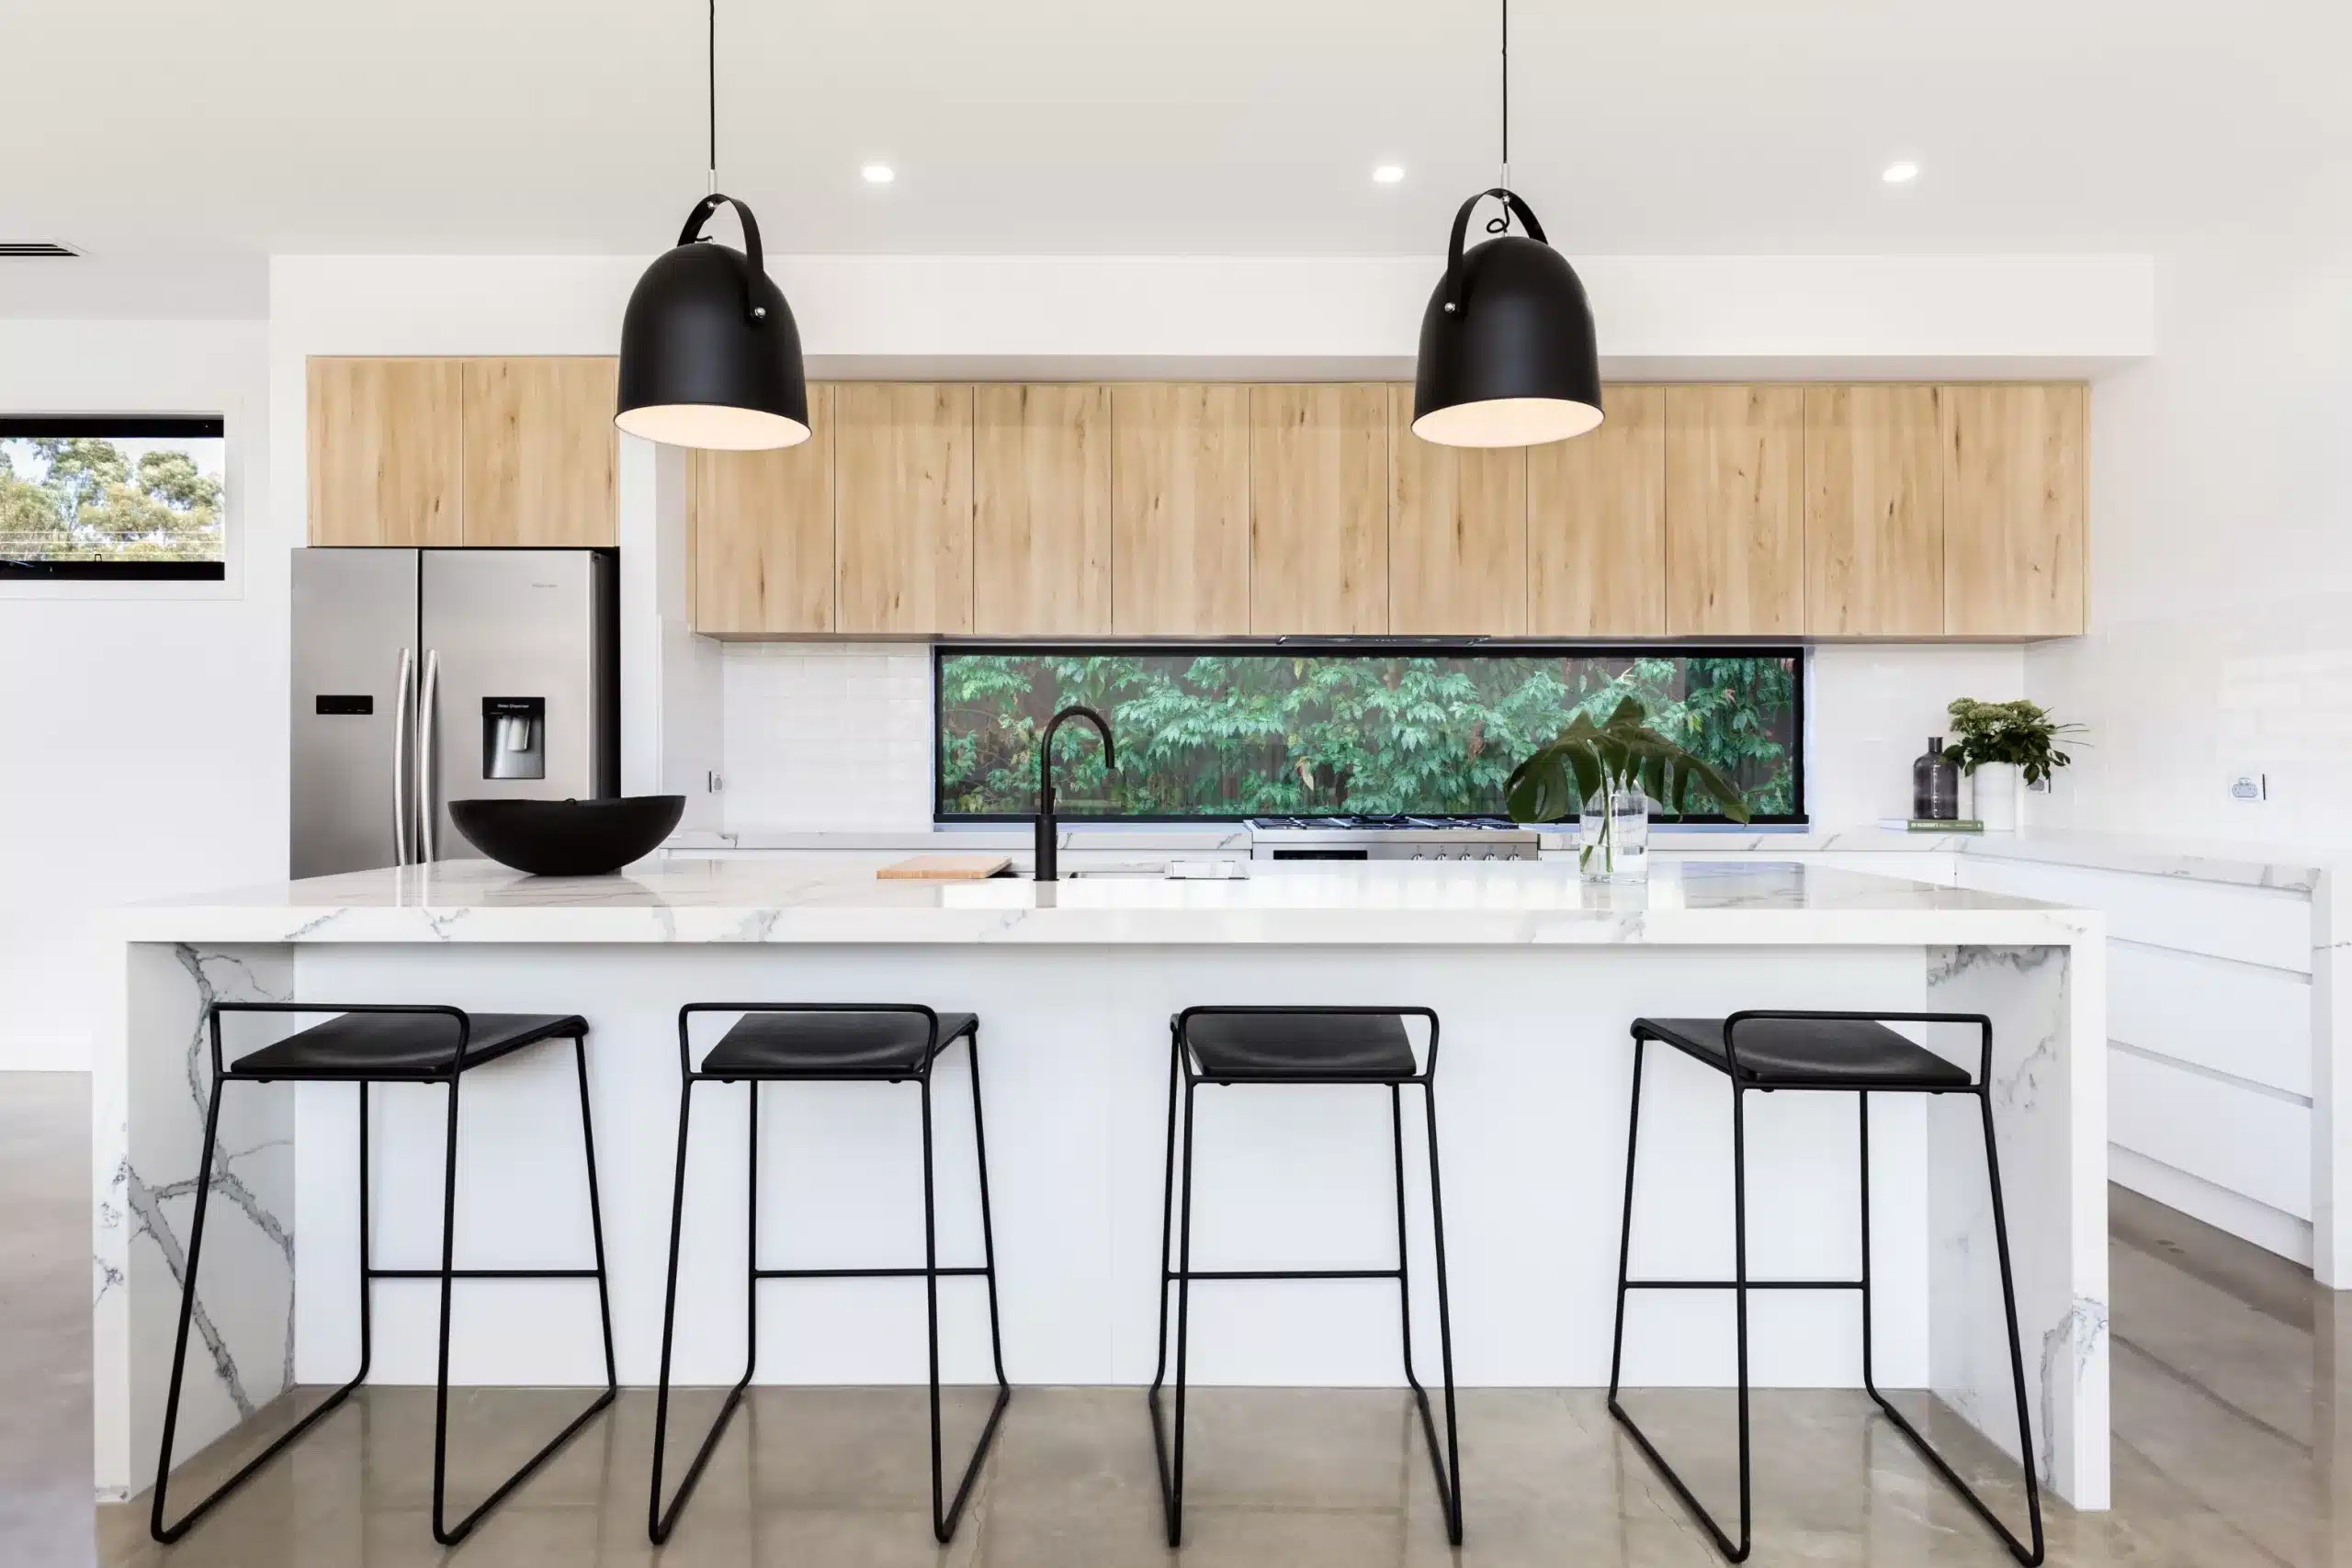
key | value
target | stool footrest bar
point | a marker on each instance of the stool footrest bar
(1175, 1274)
(916, 1273)
(483, 1274)
(1752, 1284)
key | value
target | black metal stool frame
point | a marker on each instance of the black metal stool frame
(943, 1514)
(444, 1532)
(1180, 1073)
(1740, 1284)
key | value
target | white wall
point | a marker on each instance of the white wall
(838, 734)
(883, 316)
(142, 727)
(2221, 549)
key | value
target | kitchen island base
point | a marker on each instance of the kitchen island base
(1074, 988)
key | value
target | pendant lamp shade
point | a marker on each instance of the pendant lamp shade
(710, 355)
(1508, 356)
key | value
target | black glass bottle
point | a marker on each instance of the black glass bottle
(1935, 786)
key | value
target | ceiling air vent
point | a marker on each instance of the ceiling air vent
(34, 249)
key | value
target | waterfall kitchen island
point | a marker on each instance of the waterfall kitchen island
(1536, 976)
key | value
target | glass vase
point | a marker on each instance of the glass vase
(1614, 837)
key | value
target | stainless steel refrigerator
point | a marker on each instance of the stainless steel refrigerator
(426, 676)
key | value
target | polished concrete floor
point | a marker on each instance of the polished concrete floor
(2232, 1409)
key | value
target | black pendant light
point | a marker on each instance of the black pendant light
(709, 354)
(1508, 356)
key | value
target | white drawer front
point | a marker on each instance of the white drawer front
(2250, 1142)
(2249, 923)
(2234, 1018)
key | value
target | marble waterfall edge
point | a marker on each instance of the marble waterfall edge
(151, 1098)
(2048, 1098)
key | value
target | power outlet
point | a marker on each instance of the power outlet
(2252, 789)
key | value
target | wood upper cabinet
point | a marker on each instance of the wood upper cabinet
(2012, 483)
(1179, 510)
(902, 508)
(1457, 534)
(1041, 511)
(1874, 512)
(541, 450)
(1186, 510)
(386, 452)
(761, 534)
(1596, 524)
(1318, 509)
(1734, 511)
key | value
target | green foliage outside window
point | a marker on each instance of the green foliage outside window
(81, 498)
(1247, 733)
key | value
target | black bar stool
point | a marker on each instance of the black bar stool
(1853, 1052)
(372, 1043)
(828, 1042)
(1232, 1045)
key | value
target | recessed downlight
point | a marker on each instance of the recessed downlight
(1389, 174)
(878, 173)
(1901, 173)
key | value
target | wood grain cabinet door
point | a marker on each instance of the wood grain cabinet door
(1041, 511)
(540, 451)
(1180, 510)
(1596, 524)
(902, 509)
(1874, 512)
(2013, 474)
(761, 534)
(386, 452)
(1319, 511)
(1734, 511)
(1457, 534)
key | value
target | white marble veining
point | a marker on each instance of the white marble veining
(2046, 1098)
(2191, 859)
(838, 898)
(2240, 865)
(151, 1085)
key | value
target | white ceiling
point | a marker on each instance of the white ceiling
(156, 132)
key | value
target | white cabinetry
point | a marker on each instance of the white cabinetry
(2210, 1036)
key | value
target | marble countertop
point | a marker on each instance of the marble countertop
(837, 898)
(2283, 868)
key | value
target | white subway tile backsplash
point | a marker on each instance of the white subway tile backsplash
(827, 735)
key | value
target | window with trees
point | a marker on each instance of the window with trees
(119, 497)
(1247, 731)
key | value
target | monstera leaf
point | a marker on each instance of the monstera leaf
(1623, 753)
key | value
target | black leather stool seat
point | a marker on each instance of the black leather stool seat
(1795, 1053)
(1372, 1046)
(383, 1045)
(812, 1044)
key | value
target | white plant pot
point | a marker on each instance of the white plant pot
(2000, 797)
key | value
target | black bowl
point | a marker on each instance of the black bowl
(567, 837)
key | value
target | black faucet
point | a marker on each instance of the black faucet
(1047, 868)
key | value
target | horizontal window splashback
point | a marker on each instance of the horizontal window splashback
(832, 735)
(1331, 728)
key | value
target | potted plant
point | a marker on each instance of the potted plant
(1608, 774)
(2005, 748)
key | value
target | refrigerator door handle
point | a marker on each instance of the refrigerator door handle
(425, 814)
(405, 698)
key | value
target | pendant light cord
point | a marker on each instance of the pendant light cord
(1501, 224)
(711, 40)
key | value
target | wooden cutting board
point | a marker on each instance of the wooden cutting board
(947, 868)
